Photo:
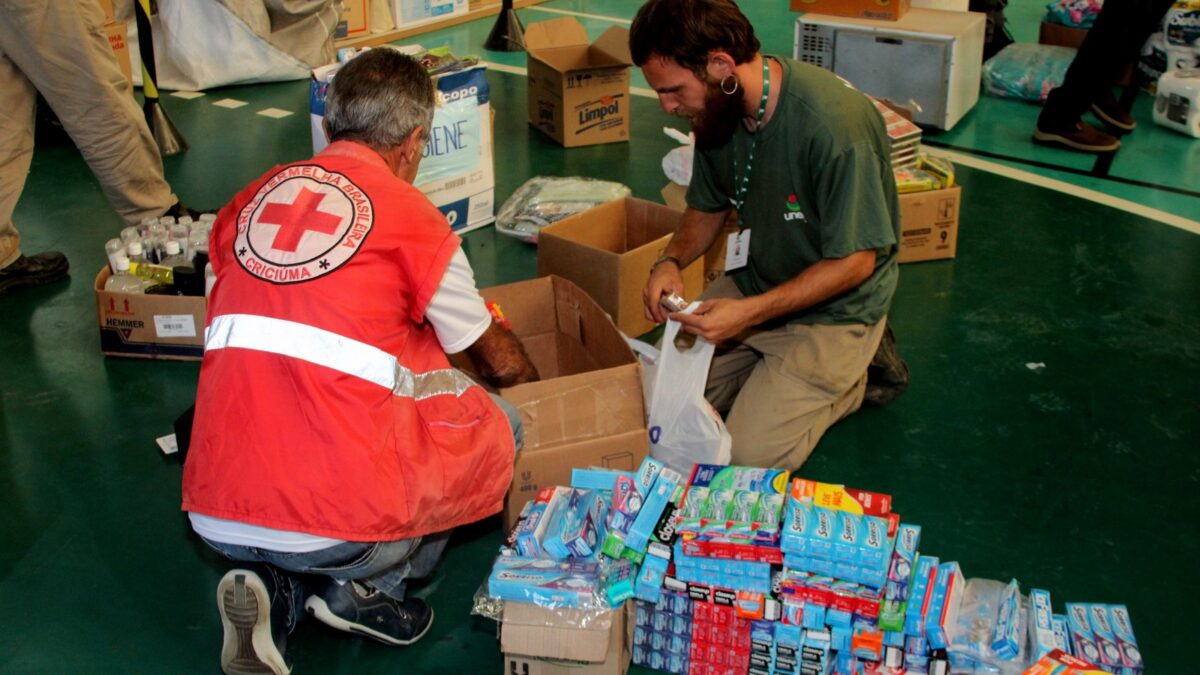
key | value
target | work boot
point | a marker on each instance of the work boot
(255, 610)
(887, 376)
(1081, 137)
(354, 608)
(33, 270)
(1108, 110)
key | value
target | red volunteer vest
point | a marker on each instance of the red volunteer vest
(326, 404)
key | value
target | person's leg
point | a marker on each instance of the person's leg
(514, 419)
(17, 97)
(733, 361)
(809, 378)
(61, 47)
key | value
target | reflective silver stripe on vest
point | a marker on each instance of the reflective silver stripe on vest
(324, 348)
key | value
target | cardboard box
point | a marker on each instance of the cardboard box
(608, 250)
(882, 10)
(409, 13)
(149, 326)
(675, 196)
(578, 93)
(929, 224)
(562, 648)
(588, 408)
(118, 34)
(458, 170)
(355, 19)
(1060, 35)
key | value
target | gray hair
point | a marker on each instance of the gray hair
(379, 98)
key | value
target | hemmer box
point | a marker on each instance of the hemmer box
(149, 326)
(608, 251)
(588, 408)
(578, 93)
(929, 224)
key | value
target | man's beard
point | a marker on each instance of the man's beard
(714, 126)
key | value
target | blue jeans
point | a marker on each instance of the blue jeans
(383, 565)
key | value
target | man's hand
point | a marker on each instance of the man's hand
(665, 279)
(501, 359)
(719, 319)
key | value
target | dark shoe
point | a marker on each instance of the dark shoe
(254, 616)
(1082, 137)
(34, 270)
(887, 376)
(354, 608)
(178, 209)
(1108, 110)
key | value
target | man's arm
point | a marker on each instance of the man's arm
(722, 318)
(695, 234)
(500, 358)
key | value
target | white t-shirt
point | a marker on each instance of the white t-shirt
(459, 318)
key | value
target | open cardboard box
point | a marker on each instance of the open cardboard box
(578, 93)
(539, 641)
(608, 251)
(149, 326)
(588, 408)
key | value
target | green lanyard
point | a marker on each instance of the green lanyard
(743, 185)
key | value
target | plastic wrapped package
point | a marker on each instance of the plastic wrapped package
(543, 200)
(1026, 71)
(677, 163)
(1073, 13)
(988, 637)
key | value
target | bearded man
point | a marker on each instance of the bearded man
(801, 313)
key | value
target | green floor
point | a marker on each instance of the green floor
(1076, 477)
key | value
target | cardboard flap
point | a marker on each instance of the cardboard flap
(564, 32)
(533, 631)
(612, 47)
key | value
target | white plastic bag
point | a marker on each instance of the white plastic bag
(684, 427)
(648, 356)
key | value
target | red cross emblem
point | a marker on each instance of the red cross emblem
(297, 218)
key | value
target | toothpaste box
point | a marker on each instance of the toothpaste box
(596, 479)
(527, 539)
(1083, 640)
(841, 498)
(845, 544)
(1106, 641)
(944, 601)
(546, 583)
(618, 586)
(576, 529)
(1122, 627)
(1041, 623)
(1006, 636)
(822, 533)
(1062, 633)
(1061, 663)
(797, 521)
(899, 580)
(918, 597)
(650, 578)
(657, 499)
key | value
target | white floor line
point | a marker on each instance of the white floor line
(614, 19)
(998, 169)
(1067, 188)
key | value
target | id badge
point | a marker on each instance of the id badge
(737, 250)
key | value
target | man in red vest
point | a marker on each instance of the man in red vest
(334, 447)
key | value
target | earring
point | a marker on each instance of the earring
(727, 90)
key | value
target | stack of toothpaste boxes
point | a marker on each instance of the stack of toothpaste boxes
(738, 570)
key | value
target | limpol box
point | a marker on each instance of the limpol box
(608, 251)
(578, 92)
(149, 326)
(929, 224)
(457, 171)
(587, 409)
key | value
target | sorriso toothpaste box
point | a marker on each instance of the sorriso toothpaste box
(1131, 656)
(1083, 640)
(1110, 655)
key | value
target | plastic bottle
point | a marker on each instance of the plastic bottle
(124, 282)
(130, 233)
(140, 266)
(114, 249)
(167, 220)
(174, 258)
(135, 252)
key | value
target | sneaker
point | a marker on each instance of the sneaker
(34, 270)
(887, 375)
(1082, 137)
(354, 608)
(1108, 110)
(254, 618)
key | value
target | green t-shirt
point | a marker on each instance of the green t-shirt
(821, 187)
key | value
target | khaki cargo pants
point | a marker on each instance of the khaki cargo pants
(783, 388)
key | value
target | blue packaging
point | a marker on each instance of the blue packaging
(914, 613)
(1122, 627)
(943, 604)
(618, 587)
(641, 655)
(650, 578)
(1106, 641)
(1006, 638)
(527, 539)
(1041, 622)
(656, 501)
(1083, 641)
(546, 583)
(822, 533)
(596, 479)
(681, 625)
(797, 520)
(845, 544)
(576, 529)
(641, 636)
(1062, 633)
